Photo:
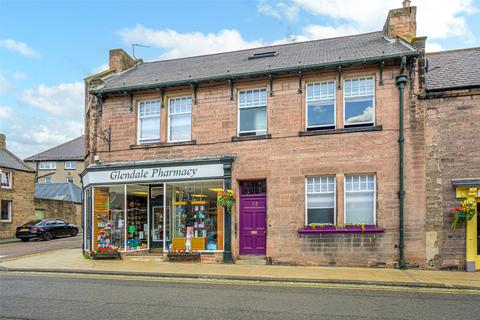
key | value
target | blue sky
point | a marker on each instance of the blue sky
(47, 48)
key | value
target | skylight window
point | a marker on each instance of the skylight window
(265, 54)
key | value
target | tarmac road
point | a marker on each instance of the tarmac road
(19, 248)
(43, 296)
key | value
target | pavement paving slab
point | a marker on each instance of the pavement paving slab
(71, 260)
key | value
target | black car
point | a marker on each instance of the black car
(46, 229)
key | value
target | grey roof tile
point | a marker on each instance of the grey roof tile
(236, 63)
(10, 161)
(453, 69)
(58, 191)
(70, 150)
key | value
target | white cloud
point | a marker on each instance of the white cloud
(322, 32)
(19, 47)
(100, 68)
(366, 115)
(6, 113)
(186, 44)
(29, 137)
(437, 19)
(433, 47)
(279, 10)
(64, 99)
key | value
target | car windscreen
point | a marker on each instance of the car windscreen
(32, 222)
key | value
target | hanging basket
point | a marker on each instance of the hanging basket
(227, 199)
(465, 212)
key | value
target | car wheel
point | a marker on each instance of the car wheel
(74, 233)
(24, 239)
(47, 236)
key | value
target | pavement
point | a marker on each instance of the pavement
(11, 249)
(71, 261)
(68, 297)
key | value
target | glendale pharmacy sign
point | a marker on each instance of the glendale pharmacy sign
(153, 174)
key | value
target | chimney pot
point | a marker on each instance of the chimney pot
(406, 3)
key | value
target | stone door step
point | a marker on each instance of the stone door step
(251, 260)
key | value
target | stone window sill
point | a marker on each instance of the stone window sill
(347, 229)
(163, 144)
(248, 138)
(340, 130)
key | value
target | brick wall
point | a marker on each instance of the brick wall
(286, 159)
(21, 193)
(453, 152)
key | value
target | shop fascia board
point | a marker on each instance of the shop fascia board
(261, 73)
(164, 163)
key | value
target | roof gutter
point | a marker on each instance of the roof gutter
(257, 73)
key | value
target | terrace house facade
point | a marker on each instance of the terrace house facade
(322, 141)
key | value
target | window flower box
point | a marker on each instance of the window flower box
(183, 256)
(352, 228)
(105, 254)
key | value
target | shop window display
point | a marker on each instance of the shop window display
(137, 217)
(108, 224)
(197, 220)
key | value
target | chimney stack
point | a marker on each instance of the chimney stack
(120, 61)
(401, 22)
(3, 141)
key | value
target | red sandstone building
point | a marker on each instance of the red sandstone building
(323, 141)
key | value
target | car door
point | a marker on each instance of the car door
(50, 226)
(61, 227)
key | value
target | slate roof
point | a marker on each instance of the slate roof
(289, 57)
(10, 161)
(70, 150)
(453, 69)
(58, 191)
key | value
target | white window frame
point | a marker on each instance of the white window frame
(238, 111)
(169, 138)
(374, 194)
(10, 202)
(49, 179)
(334, 104)
(139, 127)
(374, 102)
(53, 166)
(10, 182)
(70, 166)
(334, 198)
(69, 177)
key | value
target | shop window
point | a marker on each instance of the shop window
(6, 213)
(359, 101)
(252, 105)
(70, 165)
(6, 179)
(320, 105)
(108, 223)
(197, 220)
(253, 187)
(149, 121)
(360, 199)
(47, 166)
(137, 217)
(321, 200)
(180, 119)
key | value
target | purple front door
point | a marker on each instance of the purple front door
(253, 231)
